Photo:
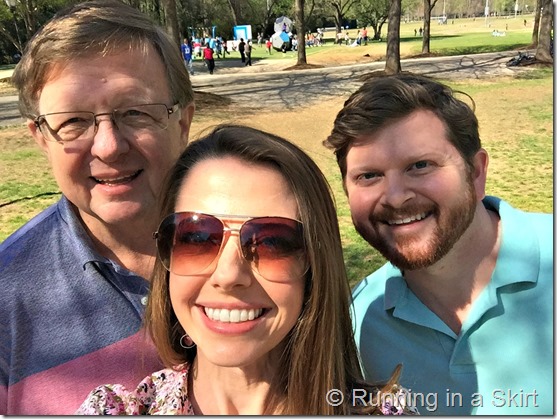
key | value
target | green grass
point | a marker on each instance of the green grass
(473, 43)
(464, 36)
(516, 127)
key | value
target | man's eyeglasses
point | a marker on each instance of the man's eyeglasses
(133, 120)
(189, 243)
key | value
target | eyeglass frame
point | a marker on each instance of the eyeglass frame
(227, 233)
(40, 119)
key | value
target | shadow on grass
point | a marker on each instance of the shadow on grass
(479, 49)
(27, 198)
(431, 38)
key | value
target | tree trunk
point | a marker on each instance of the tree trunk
(301, 32)
(29, 15)
(338, 18)
(380, 30)
(428, 7)
(171, 17)
(233, 12)
(544, 39)
(10, 38)
(392, 64)
(536, 30)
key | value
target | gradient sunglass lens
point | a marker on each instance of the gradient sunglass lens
(189, 243)
(197, 243)
(275, 247)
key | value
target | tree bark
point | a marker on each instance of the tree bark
(29, 15)
(301, 32)
(536, 30)
(392, 64)
(544, 38)
(171, 17)
(233, 12)
(428, 7)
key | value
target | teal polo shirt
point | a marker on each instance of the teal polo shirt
(501, 363)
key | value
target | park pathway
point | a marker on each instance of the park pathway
(267, 86)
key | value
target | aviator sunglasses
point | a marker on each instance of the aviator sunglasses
(189, 243)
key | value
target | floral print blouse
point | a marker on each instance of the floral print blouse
(165, 393)
(162, 393)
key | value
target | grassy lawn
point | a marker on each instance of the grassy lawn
(516, 122)
(464, 36)
(516, 127)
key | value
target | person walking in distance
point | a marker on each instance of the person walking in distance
(241, 49)
(248, 49)
(187, 55)
(208, 55)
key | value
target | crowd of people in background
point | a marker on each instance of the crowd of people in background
(204, 48)
(208, 48)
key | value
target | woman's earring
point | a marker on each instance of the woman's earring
(186, 342)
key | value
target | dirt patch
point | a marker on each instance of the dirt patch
(6, 88)
(209, 101)
(304, 67)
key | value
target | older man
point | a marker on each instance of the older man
(109, 101)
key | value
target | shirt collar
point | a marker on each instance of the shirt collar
(82, 243)
(517, 260)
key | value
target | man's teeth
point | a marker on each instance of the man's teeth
(408, 220)
(115, 181)
(232, 316)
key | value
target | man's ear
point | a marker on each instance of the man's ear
(186, 116)
(479, 175)
(38, 137)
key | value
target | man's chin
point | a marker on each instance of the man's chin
(408, 259)
(406, 264)
(116, 213)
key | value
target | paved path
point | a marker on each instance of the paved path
(266, 86)
(291, 89)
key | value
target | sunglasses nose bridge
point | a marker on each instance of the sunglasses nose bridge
(230, 267)
(227, 234)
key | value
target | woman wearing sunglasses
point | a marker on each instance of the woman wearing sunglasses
(249, 304)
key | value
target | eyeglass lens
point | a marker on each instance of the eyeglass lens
(69, 126)
(189, 244)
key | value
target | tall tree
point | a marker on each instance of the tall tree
(233, 12)
(373, 13)
(301, 32)
(18, 24)
(537, 18)
(171, 18)
(341, 8)
(9, 29)
(428, 7)
(544, 39)
(29, 13)
(392, 64)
